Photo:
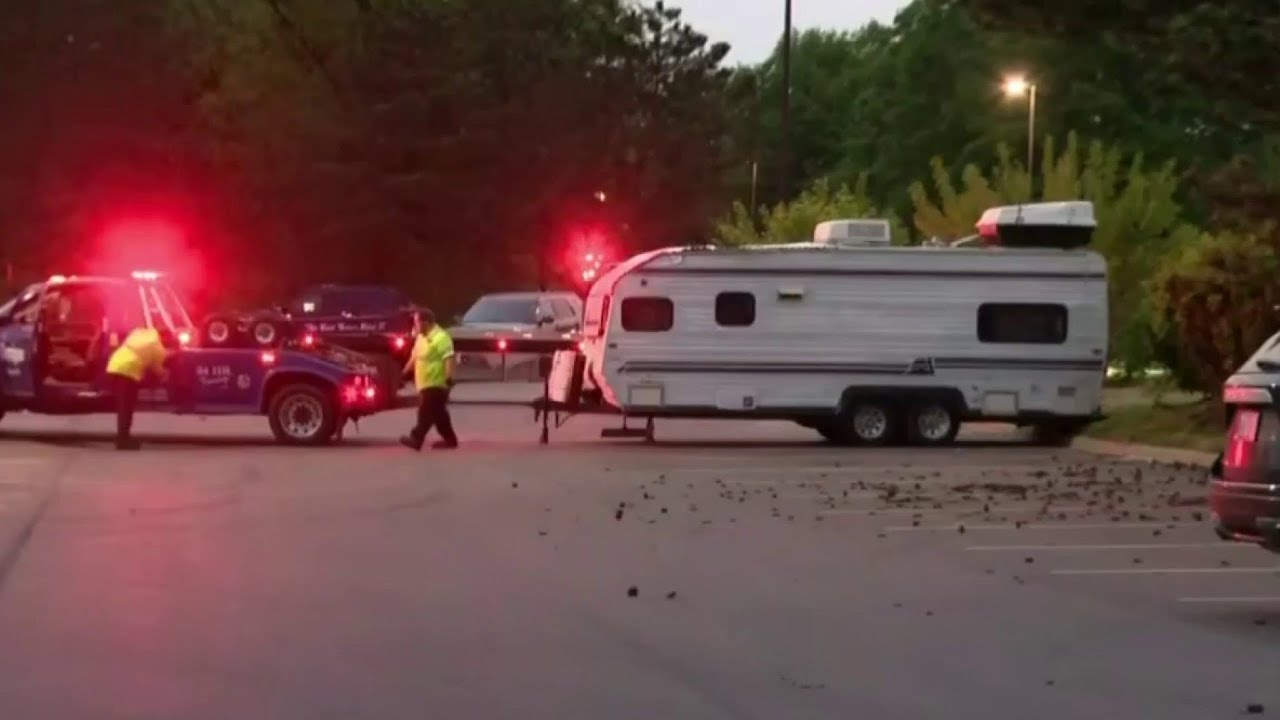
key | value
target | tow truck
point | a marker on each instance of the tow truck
(56, 337)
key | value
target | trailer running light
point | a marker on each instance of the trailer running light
(268, 358)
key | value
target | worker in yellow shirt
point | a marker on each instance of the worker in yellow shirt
(143, 351)
(432, 363)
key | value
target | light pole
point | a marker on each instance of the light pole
(784, 169)
(1015, 87)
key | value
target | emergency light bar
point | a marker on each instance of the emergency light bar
(145, 275)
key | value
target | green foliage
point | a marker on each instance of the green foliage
(1216, 299)
(1139, 220)
(795, 221)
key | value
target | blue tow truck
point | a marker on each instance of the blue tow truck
(56, 337)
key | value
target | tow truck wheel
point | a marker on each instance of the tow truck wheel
(265, 332)
(303, 415)
(218, 331)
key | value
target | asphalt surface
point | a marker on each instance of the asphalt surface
(728, 571)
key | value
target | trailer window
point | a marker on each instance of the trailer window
(735, 309)
(647, 314)
(1029, 323)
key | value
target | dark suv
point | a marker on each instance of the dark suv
(1244, 490)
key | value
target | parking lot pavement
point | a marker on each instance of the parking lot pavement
(729, 570)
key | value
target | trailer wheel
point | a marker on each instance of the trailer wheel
(218, 331)
(870, 422)
(932, 424)
(303, 415)
(265, 332)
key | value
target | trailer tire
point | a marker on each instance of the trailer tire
(303, 414)
(219, 331)
(869, 422)
(265, 332)
(932, 424)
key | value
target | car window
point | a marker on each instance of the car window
(22, 307)
(497, 309)
(563, 310)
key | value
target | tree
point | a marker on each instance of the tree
(1214, 302)
(1140, 221)
(796, 220)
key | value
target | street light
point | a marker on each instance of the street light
(1017, 86)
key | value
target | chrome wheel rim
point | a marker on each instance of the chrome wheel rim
(218, 332)
(264, 333)
(870, 422)
(934, 423)
(301, 416)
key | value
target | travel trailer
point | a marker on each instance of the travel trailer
(862, 341)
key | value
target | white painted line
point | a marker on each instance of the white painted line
(1230, 600)
(1034, 526)
(1137, 546)
(844, 470)
(1172, 571)
(956, 510)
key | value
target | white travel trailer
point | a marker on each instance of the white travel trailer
(864, 342)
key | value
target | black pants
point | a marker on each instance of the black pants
(433, 410)
(126, 392)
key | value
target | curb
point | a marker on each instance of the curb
(1153, 453)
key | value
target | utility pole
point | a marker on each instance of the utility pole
(784, 167)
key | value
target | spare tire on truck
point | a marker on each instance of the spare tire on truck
(266, 331)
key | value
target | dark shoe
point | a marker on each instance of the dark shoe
(129, 444)
(410, 443)
(445, 445)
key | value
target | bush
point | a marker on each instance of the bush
(795, 221)
(1214, 304)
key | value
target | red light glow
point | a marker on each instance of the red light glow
(502, 345)
(398, 342)
(268, 358)
(308, 340)
(145, 249)
(370, 393)
(184, 338)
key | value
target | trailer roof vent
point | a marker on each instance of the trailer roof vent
(852, 233)
(1063, 225)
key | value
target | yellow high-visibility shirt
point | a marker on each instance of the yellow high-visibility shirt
(140, 353)
(430, 351)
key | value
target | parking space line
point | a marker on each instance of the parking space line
(1136, 546)
(1230, 600)
(957, 510)
(1044, 526)
(1169, 571)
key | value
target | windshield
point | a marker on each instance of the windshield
(506, 310)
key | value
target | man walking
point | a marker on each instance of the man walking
(143, 351)
(432, 363)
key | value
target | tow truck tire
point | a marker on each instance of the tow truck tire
(303, 414)
(219, 331)
(265, 332)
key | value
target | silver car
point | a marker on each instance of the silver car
(505, 319)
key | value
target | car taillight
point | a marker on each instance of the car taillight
(1242, 437)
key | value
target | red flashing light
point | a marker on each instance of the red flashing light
(268, 357)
